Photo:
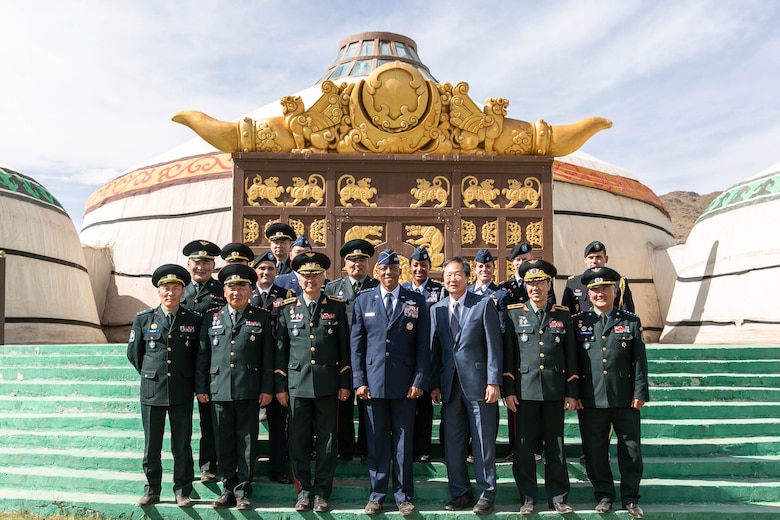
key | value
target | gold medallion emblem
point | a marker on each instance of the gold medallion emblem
(154, 326)
(409, 326)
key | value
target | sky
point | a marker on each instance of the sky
(88, 88)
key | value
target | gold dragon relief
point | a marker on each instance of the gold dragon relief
(359, 190)
(436, 189)
(429, 237)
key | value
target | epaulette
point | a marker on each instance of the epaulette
(288, 301)
(571, 277)
(517, 306)
(560, 308)
(145, 311)
(336, 299)
(629, 314)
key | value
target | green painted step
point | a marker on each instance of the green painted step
(714, 393)
(66, 360)
(715, 380)
(708, 366)
(714, 352)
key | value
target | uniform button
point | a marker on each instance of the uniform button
(169, 361)
(604, 360)
(604, 349)
(232, 353)
(169, 336)
(311, 325)
(169, 349)
(541, 331)
(541, 367)
(541, 343)
(603, 337)
(313, 362)
(313, 349)
(387, 354)
(387, 341)
(311, 336)
(232, 342)
(232, 365)
(541, 354)
(605, 372)
(169, 374)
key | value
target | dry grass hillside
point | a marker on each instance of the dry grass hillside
(684, 208)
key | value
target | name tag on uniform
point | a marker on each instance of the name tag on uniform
(370, 314)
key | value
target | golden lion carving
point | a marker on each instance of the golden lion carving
(351, 190)
(427, 192)
(260, 189)
(313, 189)
(526, 191)
(481, 191)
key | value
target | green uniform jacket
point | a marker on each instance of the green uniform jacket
(165, 358)
(612, 360)
(210, 297)
(540, 360)
(342, 288)
(235, 362)
(312, 352)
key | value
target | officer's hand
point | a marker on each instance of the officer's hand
(363, 392)
(203, 398)
(343, 394)
(264, 399)
(579, 405)
(569, 404)
(436, 395)
(414, 392)
(492, 393)
(283, 398)
(636, 404)
(511, 402)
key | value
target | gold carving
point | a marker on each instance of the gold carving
(267, 189)
(480, 191)
(526, 191)
(533, 234)
(394, 110)
(313, 189)
(317, 231)
(298, 226)
(269, 222)
(514, 232)
(364, 233)
(427, 191)
(473, 272)
(432, 238)
(251, 230)
(468, 232)
(351, 190)
(490, 232)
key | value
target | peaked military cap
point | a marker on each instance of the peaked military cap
(237, 274)
(310, 262)
(170, 273)
(520, 249)
(280, 231)
(201, 249)
(237, 252)
(388, 257)
(265, 257)
(602, 275)
(302, 241)
(595, 247)
(484, 256)
(536, 269)
(357, 247)
(420, 254)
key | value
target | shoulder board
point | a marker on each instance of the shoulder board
(571, 277)
(560, 308)
(146, 311)
(289, 301)
(629, 314)
(336, 299)
(516, 306)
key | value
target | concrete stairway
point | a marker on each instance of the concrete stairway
(71, 441)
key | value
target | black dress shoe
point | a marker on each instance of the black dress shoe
(243, 504)
(148, 500)
(483, 507)
(464, 501)
(634, 511)
(320, 505)
(281, 478)
(604, 506)
(224, 501)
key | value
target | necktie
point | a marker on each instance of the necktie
(604, 319)
(389, 305)
(540, 314)
(234, 317)
(312, 307)
(264, 297)
(356, 287)
(196, 286)
(170, 319)
(455, 319)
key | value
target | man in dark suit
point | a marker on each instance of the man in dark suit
(540, 384)
(267, 295)
(613, 388)
(465, 376)
(203, 294)
(235, 374)
(312, 376)
(163, 347)
(390, 364)
(280, 237)
(432, 291)
(575, 295)
(356, 254)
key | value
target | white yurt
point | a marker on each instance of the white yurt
(727, 268)
(132, 216)
(48, 296)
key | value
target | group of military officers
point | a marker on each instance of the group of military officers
(273, 333)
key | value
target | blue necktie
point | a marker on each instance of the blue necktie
(389, 305)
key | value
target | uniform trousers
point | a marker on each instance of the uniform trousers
(277, 437)
(236, 427)
(389, 432)
(153, 419)
(346, 431)
(423, 425)
(596, 424)
(207, 451)
(538, 421)
(321, 412)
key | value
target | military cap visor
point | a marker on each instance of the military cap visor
(237, 252)
(280, 232)
(535, 269)
(356, 248)
(310, 262)
(201, 249)
(597, 276)
(170, 273)
(235, 274)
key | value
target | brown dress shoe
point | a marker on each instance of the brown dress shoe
(562, 508)
(183, 501)
(148, 500)
(464, 501)
(634, 511)
(604, 506)
(483, 507)
(224, 501)
(320, 505)
(527, 508)
(243, 503)
(405, 507)
(207, 477)
(373, 508)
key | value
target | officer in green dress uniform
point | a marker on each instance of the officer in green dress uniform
(163, 347)
(540, 384)
(312, 376)
(235, 374)
(356, 254)
(204, 293)
(280, 237)
(237, 253)
(613, 388)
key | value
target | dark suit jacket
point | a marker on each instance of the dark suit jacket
(312, 352)
(476, 353)
(391, 356)
(165, 358)
(236, 362)
(612, 359)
